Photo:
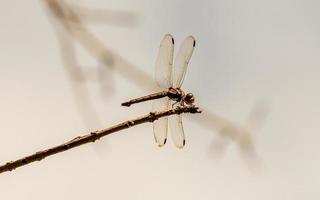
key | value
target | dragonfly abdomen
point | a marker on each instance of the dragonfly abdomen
(146, 98)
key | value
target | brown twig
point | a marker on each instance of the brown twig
(93, 136)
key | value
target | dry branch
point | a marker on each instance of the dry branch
(93, 136)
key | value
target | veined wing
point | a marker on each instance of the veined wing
(176, 130)
(182, 61)
(160, 126)
(163, 66)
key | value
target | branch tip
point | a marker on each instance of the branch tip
(126, 104)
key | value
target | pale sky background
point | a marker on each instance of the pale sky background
(246, 51)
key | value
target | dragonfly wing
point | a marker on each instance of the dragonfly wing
(176, 129)
(163, 71)
(160, 126)
(182, 61)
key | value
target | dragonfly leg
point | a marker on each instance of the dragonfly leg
(174, 104)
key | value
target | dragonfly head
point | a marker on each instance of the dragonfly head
(189, 99)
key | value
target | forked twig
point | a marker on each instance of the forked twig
(93, 136)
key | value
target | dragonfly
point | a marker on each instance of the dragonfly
(169, 77)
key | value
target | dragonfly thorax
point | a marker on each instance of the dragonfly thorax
(175, 94)
(179, 95)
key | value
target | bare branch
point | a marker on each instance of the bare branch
(93, 136)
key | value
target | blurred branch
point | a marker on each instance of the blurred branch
(241, 135)
(77, 78)
(64, 14)
(79, 32)
(93, 136)
(99, 16)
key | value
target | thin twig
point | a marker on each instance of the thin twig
(93, 136)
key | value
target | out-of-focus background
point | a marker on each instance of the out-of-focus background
(247, 52)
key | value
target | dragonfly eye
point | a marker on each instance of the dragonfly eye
(189, 98)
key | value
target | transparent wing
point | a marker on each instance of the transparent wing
(182, 61)
(176, 130)
(163, 71)
(160, 126)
